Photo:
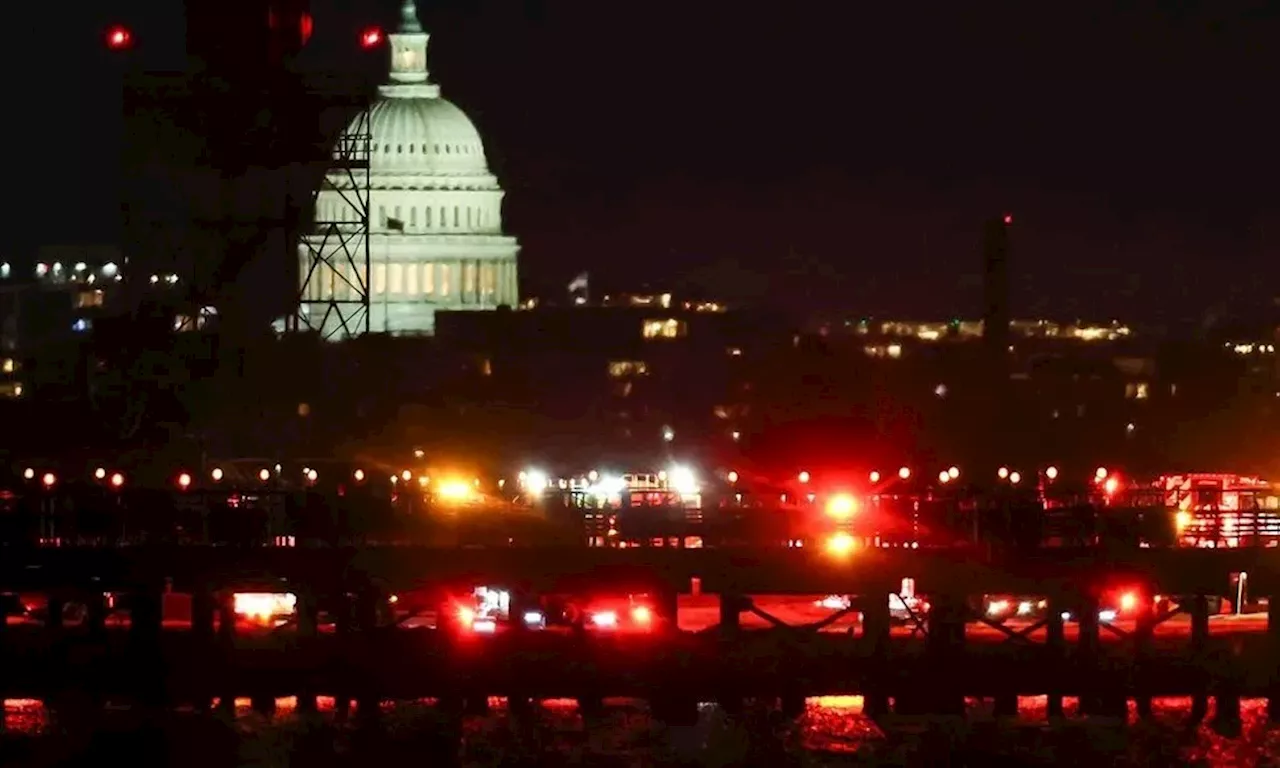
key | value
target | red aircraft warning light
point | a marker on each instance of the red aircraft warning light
(119, 37)
(371, 37)
(1008, 218)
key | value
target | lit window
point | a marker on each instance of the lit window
(10, 365)
(663, 329)
(621, 369)
(380, 278)
(444, 279)
(396, 280)
(88, 299)
(428, 277)
(411, 279)
(1137, 390)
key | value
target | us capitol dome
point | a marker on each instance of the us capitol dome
(435, 210)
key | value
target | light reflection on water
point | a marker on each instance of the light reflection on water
(832, 730)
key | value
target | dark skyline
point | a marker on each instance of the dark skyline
(834, 157)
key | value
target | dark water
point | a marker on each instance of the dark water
(832, 731)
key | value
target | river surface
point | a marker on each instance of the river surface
(832, 731)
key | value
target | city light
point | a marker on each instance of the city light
(217, 474)
(804, 477)
(1015, 477)
(874, 476)
(406, 475)
(184, 481)
(944, 477)
(454, 491)
(641, 615)
(264, 475)
(358, 475)
(263, 606)
(312, 475)
(732, 477)
(371, 37)
(119, 37)
(1111, 486)
(1051, 473)
(117, 480)
(100, 473)
(682, 480)
(1003, 473)
(842, 506)
(1128, 601)
(904, 473)
(953, 472)
(1100, 474)
(840, 544)
(605, 619)
(49, 479)
(535, 481)
(28, 473)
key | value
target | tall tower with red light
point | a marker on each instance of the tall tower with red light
(995, 286)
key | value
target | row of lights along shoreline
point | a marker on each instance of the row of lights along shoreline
(537, 479)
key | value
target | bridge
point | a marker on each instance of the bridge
(344, 639)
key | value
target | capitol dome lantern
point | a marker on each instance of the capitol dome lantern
(435, 209)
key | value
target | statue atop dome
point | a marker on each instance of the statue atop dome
(408, 52)
(409, 23)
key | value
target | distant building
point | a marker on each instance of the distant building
(435, 210)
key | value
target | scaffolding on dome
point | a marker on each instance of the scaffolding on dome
(333, 285)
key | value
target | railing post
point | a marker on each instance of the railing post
(1056, 648)
(308, 608)
(945, 648)
(875, 631)
(731, 606)
(226, 646)
(1142, 652)
(366, 624)
(1087, 669)
(1199, 610)
(146, 614)
(1273, 636)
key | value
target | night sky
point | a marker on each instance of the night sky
(828, 157)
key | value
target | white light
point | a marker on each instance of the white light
(42, 269)
(668, 434)
(5, 269)
(593, 475)
(682, 480)
(1107, 615)
(605, 619)
(1024, 608)
(80, 266)
(1051, 473)
(1015, 478)
(533, 618)
(535, 480)
(110, 269)
(484, 626)
(953, 472)
(610, 486)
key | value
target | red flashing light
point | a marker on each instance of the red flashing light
(119, 38)
(371, 37)
(306, 25)
(1008, 218)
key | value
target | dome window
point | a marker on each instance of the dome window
(435, 148)
(448, 150)
(411, 149)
